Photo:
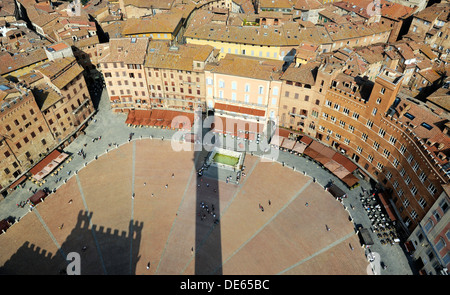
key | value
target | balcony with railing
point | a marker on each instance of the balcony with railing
(240, 102)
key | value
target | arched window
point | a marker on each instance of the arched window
(440, 244)
(429, 225)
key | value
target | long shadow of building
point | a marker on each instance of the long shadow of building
(208, 240)
(102, 251)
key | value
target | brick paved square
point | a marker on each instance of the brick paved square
(123, 234)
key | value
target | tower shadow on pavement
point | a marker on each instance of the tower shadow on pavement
(208, 239)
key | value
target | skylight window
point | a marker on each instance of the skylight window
(426, 126)
(409, 116)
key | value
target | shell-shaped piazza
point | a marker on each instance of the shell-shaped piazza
(143, 204)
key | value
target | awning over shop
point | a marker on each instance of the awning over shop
(332, 165)
(288, 144)
(341, 172)
(182, 122)
(313, 150)
(277, 140)
(350, 180)
(44, 162)
(17, 182)
(344, 161)
(306, 140)
(327, 152)
(299, 147)
(335, 162)
(387, 206)
(167, 119)
(283, 132)
(48, 164)
(130, 118)
(322, 159)
(61, 158)
(311, 153)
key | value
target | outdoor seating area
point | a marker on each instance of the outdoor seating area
(382, 225)
(159, 118)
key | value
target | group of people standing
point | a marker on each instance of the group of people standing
(206, 210)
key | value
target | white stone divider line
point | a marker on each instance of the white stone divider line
(293, 168)
(193, 172)
(91, 226)
(49, 232)
(326, 248)
(296, 195)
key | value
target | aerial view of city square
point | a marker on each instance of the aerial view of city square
(225, 138)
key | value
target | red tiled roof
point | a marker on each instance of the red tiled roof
(58, 46)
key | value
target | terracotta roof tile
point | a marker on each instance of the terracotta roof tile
(127, 50)
(182, 57)
(160, 23)
(302, 74)
(256, 68)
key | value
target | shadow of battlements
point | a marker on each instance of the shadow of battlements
(101, 251)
